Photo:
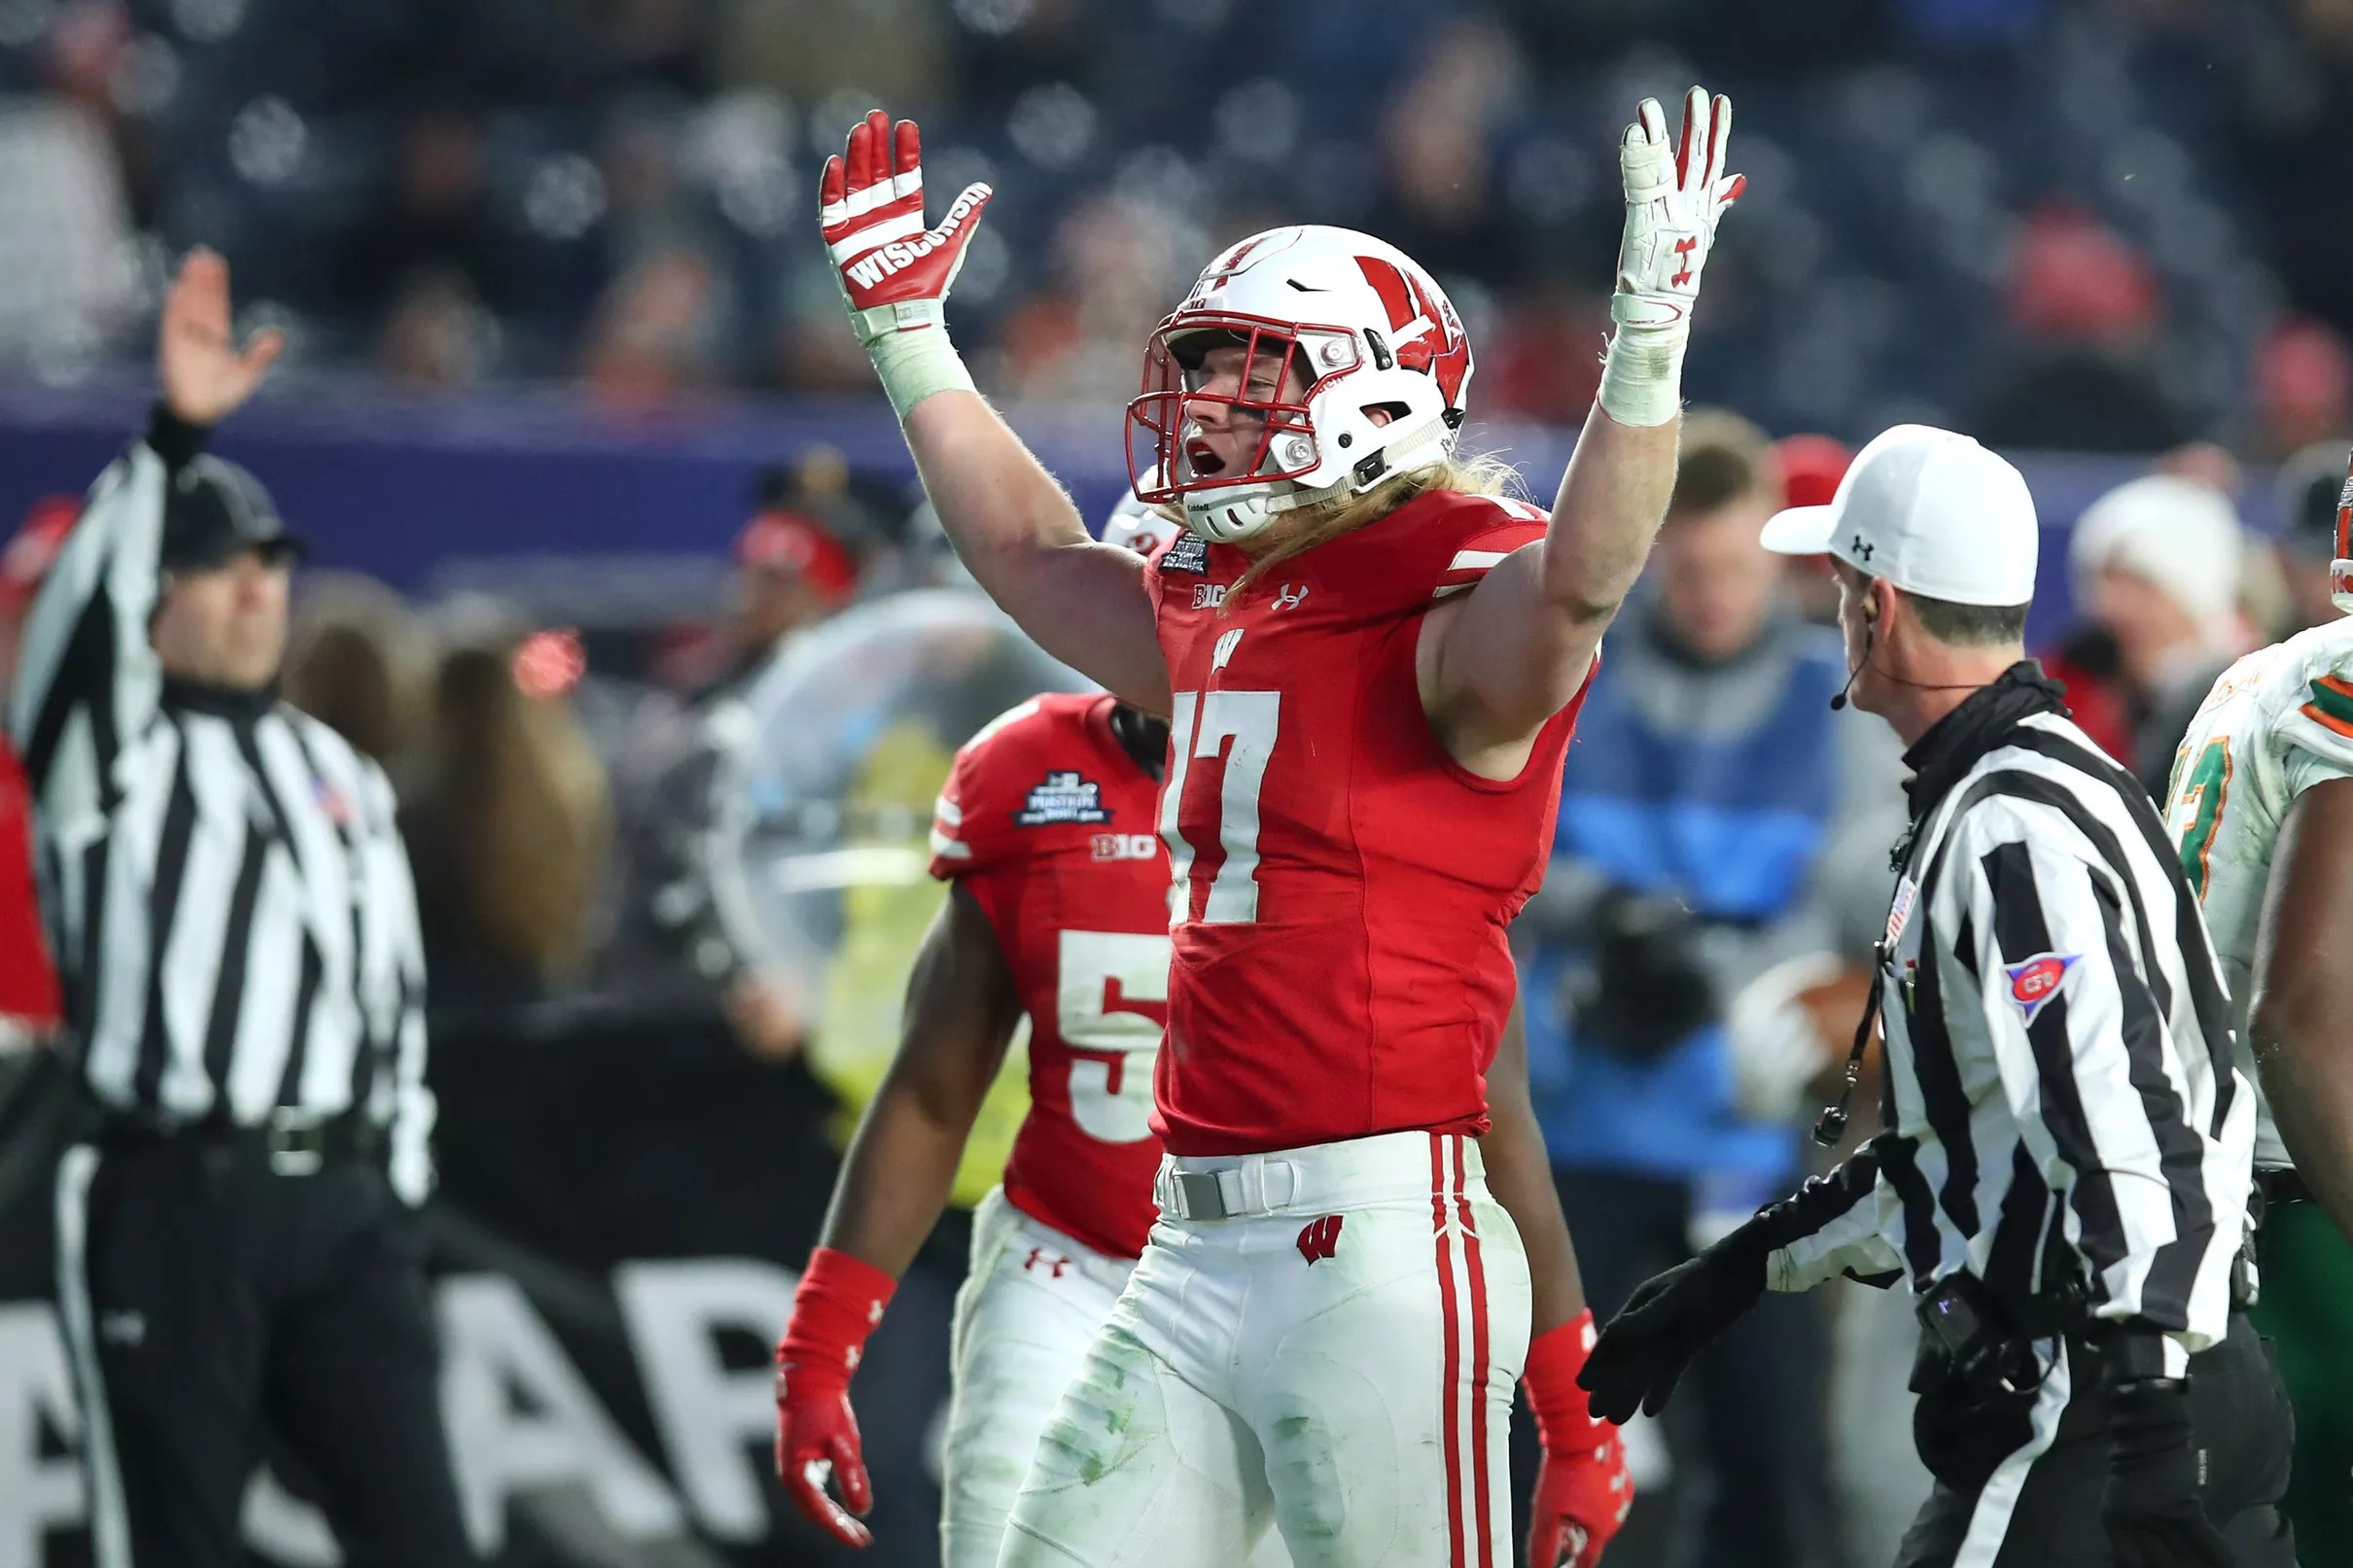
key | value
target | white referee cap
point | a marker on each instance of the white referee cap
(1932, 511)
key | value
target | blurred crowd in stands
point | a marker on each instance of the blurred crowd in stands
(2092, 226)
(2074, 224)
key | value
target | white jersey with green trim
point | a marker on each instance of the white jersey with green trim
(2277, 722)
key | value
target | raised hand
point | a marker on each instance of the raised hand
(1675, 194)
(205, 375)
(893, 273)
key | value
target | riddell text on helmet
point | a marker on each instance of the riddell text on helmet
(875, 265)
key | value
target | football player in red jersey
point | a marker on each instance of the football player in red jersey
(1371, 670)
(1057, 909)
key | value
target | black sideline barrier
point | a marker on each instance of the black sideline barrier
(625, 1205)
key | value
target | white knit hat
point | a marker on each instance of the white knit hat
(2178, 534)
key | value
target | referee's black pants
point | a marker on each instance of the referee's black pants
(1999, 1504)
(204, 1294)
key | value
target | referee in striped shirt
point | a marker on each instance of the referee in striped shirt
(236, 931)
(2064, 1148)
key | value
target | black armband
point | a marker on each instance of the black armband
(174, 439)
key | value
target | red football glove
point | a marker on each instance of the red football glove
(1582, 1491)
(839, 1302)
(892, 270)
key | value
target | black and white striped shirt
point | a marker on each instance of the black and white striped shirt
(227, 896)
(2059, 1103)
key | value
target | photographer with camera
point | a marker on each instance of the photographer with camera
(1716, 818)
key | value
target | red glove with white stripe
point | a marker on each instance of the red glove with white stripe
(1582, 1491)
(894, 273)
(840, 1300)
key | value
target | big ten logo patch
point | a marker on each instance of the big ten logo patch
(1126, 846)
(1063, 797)
(1208, 594)
(1320, 1238)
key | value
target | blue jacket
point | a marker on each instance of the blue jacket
(1719, 784)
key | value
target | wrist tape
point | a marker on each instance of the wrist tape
(1642, 373)
(908, 343)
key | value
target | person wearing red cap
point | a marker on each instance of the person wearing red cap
(791, 572)
(28, 980)
(1810, 468)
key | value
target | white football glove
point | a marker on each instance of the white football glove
(1675, 194)
(893, 272)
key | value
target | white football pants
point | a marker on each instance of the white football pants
(1324, 1339)
(1030, 1305)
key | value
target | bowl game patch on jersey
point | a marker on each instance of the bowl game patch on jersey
(1190, 554)
(1063, 797)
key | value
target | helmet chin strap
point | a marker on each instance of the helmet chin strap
(1412, 450)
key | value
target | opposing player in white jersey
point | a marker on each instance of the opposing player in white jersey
(2261, 803)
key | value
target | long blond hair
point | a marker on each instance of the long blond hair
(1476, 473)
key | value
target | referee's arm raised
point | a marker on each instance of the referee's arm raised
(2108, 1102)
(85, 659)
(87, 679)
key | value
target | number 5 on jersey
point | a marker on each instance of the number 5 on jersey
(1211, 812)
(1112, 1002)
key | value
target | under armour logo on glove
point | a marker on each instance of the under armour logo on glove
(1675, 194)
(1320, 1238)
(1052, 1263)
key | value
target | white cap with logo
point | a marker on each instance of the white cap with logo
(1933, 512)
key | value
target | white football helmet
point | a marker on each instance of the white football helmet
(1349, 325)
(1135, 526)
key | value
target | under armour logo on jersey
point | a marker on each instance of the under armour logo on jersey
(1227, 642)
(1053, 1263)
(1291, 597)
(1320, 1238)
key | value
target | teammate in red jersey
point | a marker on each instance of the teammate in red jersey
(1370, 673)
(1057, 909)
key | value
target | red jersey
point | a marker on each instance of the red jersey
(1342, 885)
(1047, 821)
(28, 982)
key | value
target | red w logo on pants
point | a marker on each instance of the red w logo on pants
(1320, 1238)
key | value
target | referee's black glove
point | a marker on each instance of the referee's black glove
(1669, 1319)
(2152, 1509)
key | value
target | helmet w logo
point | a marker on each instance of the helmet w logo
(1429, 336)
(1320, 1238)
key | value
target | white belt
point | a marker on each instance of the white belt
(1317, 1179)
